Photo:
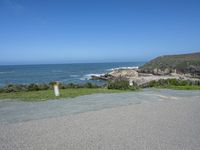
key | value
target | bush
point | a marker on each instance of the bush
(33, 87)
(1, 90)
(52, 83)
(172, 82)
(120, 85)
(72, 85)
(61, 86)
(43, 86)
(90, 85)
(14, 88)
(36, 87)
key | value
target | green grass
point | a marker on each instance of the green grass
(49, 94)
(74, 92)
(185, 87)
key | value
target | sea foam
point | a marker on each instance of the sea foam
(112, 69)
(88, 76)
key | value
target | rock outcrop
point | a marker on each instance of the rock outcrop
(124, 73)
(102, 77)
(141, 78)
(183, 67)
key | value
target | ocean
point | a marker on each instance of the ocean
(66, 73)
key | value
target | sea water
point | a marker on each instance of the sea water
(67, 73)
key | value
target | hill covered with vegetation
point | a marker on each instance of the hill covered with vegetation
(182, 64)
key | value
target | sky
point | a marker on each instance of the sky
(76, 31)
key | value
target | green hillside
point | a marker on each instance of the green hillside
(184, 63)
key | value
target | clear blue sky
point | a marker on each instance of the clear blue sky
(68, 31)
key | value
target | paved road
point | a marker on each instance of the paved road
(171, 123)
(19, 111)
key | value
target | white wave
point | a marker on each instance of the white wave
(112, 69)
(83, 79)
(6, 72)
(74, 75)
(88, 76)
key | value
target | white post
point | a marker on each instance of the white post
(56, 89)
(131, 82)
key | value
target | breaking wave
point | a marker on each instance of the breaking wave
(112, 69)
(74, 75)
(88, 76)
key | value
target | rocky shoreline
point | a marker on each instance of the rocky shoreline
(140, 78)
(181, 67)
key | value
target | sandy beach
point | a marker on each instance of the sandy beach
(171, 122)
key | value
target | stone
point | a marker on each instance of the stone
(124, 73)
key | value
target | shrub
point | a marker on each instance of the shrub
(168, 82)
(71, 85)
(90, 85)
(118, 84)
(36, 87)
(52, 83)
(62, 86)
(43, 86)
(33, 87)
(14, 88)
(1, 90)
(172, 82)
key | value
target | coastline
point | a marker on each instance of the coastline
(67, 73)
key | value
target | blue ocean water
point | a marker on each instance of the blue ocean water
(67, 73)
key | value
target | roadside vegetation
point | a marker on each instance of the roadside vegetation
(49, 94)
(40, 92)
(120, 84)
(10, 88)
(174, 84)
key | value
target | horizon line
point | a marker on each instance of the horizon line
(32, 64)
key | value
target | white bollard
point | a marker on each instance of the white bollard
(131, 82)
(56, 89)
